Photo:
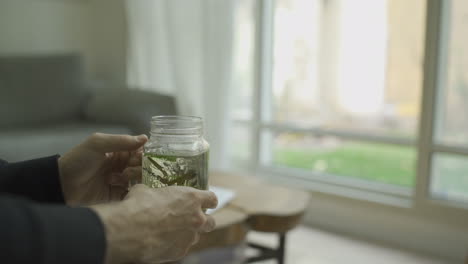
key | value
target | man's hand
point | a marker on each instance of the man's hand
(98, 170)
(155, 225)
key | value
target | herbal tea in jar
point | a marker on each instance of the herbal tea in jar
(176, 153)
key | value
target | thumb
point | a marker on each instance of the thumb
(111, 143)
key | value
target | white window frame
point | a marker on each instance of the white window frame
(416, 198)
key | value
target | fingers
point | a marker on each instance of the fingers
(202, 223)
(132, 173)
(117, 193)
(209, 224)
(112, 143)
(135, 189)
(135, 157)
(129, 174)
(208, 199)
(124, 156)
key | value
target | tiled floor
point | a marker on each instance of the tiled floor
(312, 246)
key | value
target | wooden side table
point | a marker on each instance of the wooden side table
(258, 206)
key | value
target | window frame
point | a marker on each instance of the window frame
(425, 145)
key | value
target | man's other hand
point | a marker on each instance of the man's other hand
(155, 225)
(99, 169)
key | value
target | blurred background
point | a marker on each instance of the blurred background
(362, 103)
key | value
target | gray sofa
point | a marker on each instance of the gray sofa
(47, 106)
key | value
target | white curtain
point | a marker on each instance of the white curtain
(184, 48)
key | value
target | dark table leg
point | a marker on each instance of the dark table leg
(269, 253)
(282, 248)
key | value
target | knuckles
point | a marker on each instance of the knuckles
(192, 195)
(198, 220)
(213, 199)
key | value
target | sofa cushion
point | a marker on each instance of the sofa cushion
(133, 107)
(23, 144)
(40, 89)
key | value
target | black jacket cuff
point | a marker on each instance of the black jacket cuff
(36, 179)
(34, 233)
(72, 235)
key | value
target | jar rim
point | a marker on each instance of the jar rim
(176, 118)
(176, 125)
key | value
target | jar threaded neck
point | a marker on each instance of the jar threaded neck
(174, 125)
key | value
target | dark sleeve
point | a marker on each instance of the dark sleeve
(36, 179)
(34, 233)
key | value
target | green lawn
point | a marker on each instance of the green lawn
(374, 162)
(377, 162)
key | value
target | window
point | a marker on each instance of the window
(449, 175)
(337, 91)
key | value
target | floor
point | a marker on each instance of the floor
(312, 246)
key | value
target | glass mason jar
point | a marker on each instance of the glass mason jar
(176, 153)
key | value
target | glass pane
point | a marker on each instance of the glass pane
(243, 73)
(452, 123)
(241, 144)
(450, 177)
(351, 65)
(375, 162)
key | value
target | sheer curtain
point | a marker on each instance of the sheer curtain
(184, 48)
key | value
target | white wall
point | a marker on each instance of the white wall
(94, 28)
(108, 35)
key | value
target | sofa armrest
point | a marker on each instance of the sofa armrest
(129, 107)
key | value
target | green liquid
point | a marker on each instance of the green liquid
(164, 170)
